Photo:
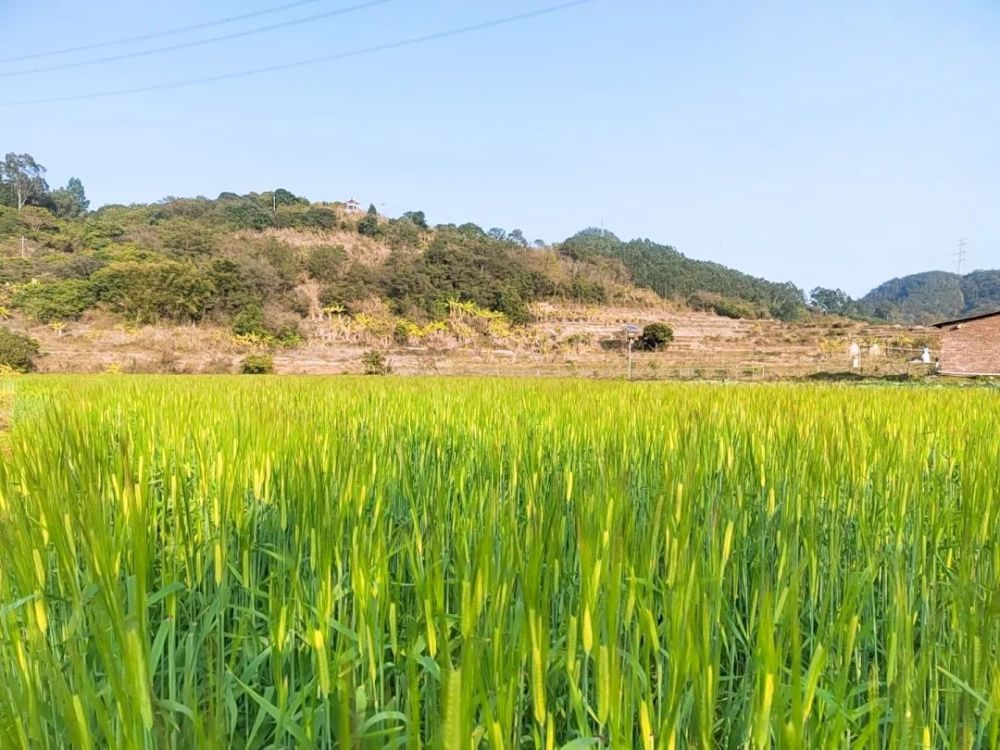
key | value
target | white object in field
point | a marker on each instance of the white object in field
(925, 357)
(855, 352)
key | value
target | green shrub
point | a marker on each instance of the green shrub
(187, 237)
(325, 262)
(368, 226)
(375, 363)
(725, 307)
(247, 214)
(56, 300)
(583, 289)
(149, 291)
(273, 327)
(17, 351)
(655, 336)
(257, 364)
(307, 218)
(249, 321)
(233, 291)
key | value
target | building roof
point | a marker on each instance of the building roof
(967, 319)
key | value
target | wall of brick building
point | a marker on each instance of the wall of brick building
(971, 348)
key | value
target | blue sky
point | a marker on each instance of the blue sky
(818, 142)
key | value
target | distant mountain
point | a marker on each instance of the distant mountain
(932, 296)
(700, 284)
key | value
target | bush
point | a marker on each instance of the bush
(655, 336)
(57, 300)
(375, 363)
(325, 262)
(16, 351)
(247, 214)
(249, 321)
(257, 364)
(148, 291)
(187, 237)
(401, 333)
(272, 326)
(315, 218)
(725, 307)
(368, 226)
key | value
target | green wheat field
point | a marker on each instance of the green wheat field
(427, 563)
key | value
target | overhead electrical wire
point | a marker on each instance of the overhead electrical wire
(196, 42)
(409, 42)
(160, 34)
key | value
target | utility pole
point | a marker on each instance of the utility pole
(631, 334)
(962, 252)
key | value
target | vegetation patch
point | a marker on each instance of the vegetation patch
(375, 563)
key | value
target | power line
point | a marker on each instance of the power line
(160, 34)
(197, 42)
(310, 61)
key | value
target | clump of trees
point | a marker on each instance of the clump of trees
(17, 351)
(655, 337)
(22, 183)
(368, 226)
(674, 276)
(831, 301)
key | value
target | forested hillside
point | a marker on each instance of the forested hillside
(262, 261)
(701, 284)
(933, 296)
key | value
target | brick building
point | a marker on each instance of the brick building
(971, 346)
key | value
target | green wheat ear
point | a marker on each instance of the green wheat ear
(473, 563)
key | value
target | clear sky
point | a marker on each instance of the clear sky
(834, 143)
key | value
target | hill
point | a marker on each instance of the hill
(703, 285)
(263, 262)
(932, 296)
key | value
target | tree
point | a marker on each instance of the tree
(55, 300)
(71, 201)
(25, 179)
(242, 213)
(498, 234)
(325, 262)
(150, 291)
(517, 237)
(471, 230)
(375, 363)
(75, 188)
(833, 301)
(655, 336)
(417, 217)
(16, 351)
(257, 364)
(368, 226)
(282, 197)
